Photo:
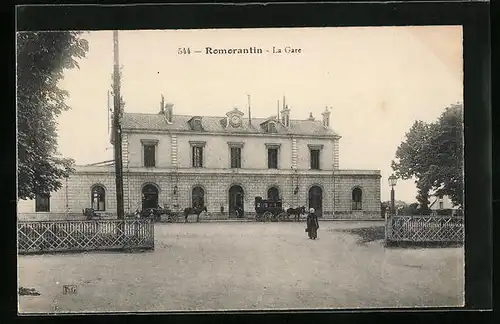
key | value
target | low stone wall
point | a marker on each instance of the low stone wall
(358, 215)
(58, 216)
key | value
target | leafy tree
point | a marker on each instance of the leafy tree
(42, 58)
(397, 203)
(410, 210)
(432, 154)
(448, 179)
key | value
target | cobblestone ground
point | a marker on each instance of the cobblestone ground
(214, 266)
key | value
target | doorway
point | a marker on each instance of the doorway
(316, 200)
(149, 196)
(236, 200)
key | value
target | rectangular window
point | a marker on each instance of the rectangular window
(272, 158)
(271, 127)
(197, 156)
(149, 155)
(236, 157)
(315, 159)
(42, 203)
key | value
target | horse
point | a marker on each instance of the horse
(152, 213)
(296, 212)
(194, 210)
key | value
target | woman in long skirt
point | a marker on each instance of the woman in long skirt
(312, 224)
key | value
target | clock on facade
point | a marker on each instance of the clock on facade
(235, 121)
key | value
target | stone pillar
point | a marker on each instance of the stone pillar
(336, 154)
(126, 175)
(294, 153)
(173, 150)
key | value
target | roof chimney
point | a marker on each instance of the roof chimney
(162, 105)
(169, 112)
(310, 116)
(326, 117)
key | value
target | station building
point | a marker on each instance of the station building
(220, 162)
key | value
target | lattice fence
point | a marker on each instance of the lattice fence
(84, 235)
(425, 229)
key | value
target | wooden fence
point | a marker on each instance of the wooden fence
(84, 235)
(424, 229)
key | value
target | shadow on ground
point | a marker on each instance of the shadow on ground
(365, 234)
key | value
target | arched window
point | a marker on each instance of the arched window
(273, 193)
(357, 199)
(98, 198)
(198, 197)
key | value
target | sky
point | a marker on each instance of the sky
(376, 81)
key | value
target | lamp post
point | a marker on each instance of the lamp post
(392, 182)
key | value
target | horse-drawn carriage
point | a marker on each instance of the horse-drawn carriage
(272, 210)
(172, 215)
(269, 210)
(156, 214)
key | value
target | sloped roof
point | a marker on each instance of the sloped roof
(102, 163)
(213, 124)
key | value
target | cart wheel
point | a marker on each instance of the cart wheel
(267, 216)
(282, 216)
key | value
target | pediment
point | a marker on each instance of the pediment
(196, 123)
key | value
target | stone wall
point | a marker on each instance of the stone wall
(370, 187)
(336, 192)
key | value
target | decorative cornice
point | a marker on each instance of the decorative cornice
(273, 145)
(315, 146)
(142, 170)
(149, 141)
(232, 134)
(235, 144)
(198, 143)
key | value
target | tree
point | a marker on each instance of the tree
(42, 58)
(448, 175)
(432, 154)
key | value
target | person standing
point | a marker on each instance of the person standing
(312, 224)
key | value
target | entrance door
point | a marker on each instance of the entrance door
(316, 200)
(149, 196)
(235, 199)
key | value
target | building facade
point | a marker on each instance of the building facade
(221, 163)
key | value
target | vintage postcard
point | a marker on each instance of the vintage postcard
(240, 169)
